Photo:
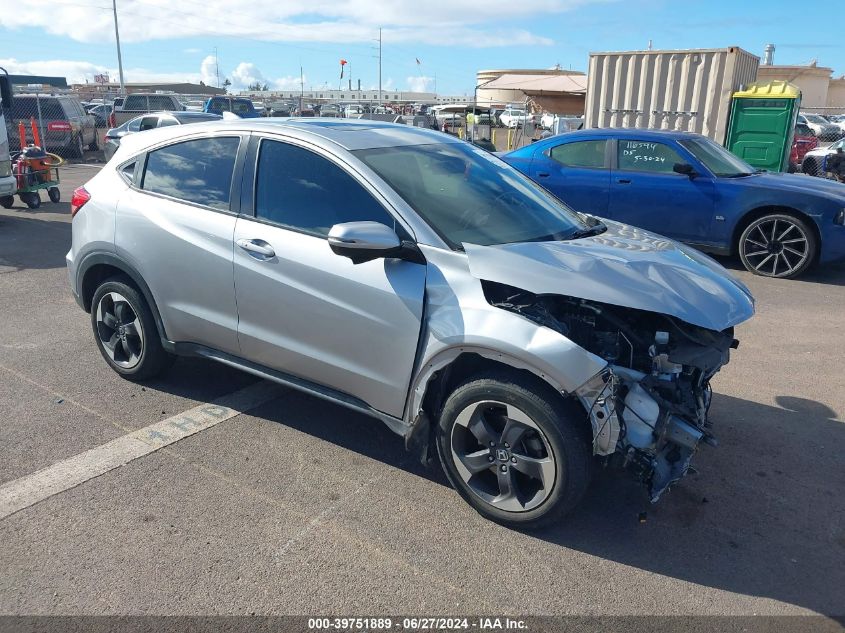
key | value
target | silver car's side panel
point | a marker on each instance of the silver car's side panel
(184, 253)
(459, 320)
(314, 314)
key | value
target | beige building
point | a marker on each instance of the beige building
(553, 90)
(819, 90)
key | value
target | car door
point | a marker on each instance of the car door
(577, 172)
(175, 226)
(310, 313)
(646, 192)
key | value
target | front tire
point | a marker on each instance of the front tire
(778, 245)
(514, 450)
(125, 331)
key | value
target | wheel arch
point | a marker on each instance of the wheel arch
(444, 373)
(759, 212)
(97, 267)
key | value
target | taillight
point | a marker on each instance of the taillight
(80, 197)
(59, 126)
(112, 120)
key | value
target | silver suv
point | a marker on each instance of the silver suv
(408, 275)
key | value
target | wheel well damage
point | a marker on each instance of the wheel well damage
(420, 438)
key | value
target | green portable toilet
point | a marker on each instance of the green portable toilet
(762, 123)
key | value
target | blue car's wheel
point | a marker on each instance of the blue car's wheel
(777, 245)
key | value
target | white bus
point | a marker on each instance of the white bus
(7, 181)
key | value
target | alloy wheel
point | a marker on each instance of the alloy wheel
(502, 456)
(776, 247)
(119, 330)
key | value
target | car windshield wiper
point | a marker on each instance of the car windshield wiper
(743, 174)
(598, 229)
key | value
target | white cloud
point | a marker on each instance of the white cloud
(245, 74)
(208, 71)
(419, 83)
(475, 23)
(78, 72)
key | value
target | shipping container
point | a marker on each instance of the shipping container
(686, 90)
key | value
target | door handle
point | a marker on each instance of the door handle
(623, 181)
(543, 174)
(257, 247)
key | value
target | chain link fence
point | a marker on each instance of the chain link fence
(818, 140)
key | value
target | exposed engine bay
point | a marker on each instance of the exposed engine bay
(648, 408)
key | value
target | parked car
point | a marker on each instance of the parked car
(101, 113)
(409, 276)
(279, 109)
(495, 113)
(353, 111)
(330, 110)
(814, 160)
(803, 141)
(64, 125)
(143, 103)
(823, 129)
(151, 121)
(513, 118)
(838, 120)
(237, 105)
(195, 105)
(692, 189)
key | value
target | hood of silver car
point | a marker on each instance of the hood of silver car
(623, 266)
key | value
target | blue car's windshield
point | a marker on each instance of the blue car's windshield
(717, 159)
(469, 195)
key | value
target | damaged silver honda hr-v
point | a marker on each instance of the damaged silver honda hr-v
(408, 275)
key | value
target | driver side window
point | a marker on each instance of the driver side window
(300, 189)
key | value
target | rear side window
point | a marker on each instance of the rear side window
(161, 102)
(300, 189)
(198, 171)
(135, 102)
(580, 154)
(25, 107)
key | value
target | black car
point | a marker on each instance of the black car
(62, 123)
(149, 122)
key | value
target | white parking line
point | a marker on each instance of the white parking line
(66, 474)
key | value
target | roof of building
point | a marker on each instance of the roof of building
(540, 84)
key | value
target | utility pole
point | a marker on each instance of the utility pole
(379, 66)
(117, 39)
(216, 67)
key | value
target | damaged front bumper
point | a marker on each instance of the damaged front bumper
(635, 427)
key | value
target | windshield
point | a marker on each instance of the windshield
(468, 195)
(717, 159)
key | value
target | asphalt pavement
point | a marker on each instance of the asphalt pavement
(295, 506)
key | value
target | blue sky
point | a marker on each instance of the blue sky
(452, 38)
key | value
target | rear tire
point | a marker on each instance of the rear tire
(514, 450)
(778, 245)
(55, 194)
(810, 167)
(93, 145)
(125, 331)
(7, 202)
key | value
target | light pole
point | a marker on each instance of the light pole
(117, 39)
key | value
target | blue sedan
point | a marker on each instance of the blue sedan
(689, 188)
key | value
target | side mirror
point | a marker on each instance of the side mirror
(365, 241)
(685, 169)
